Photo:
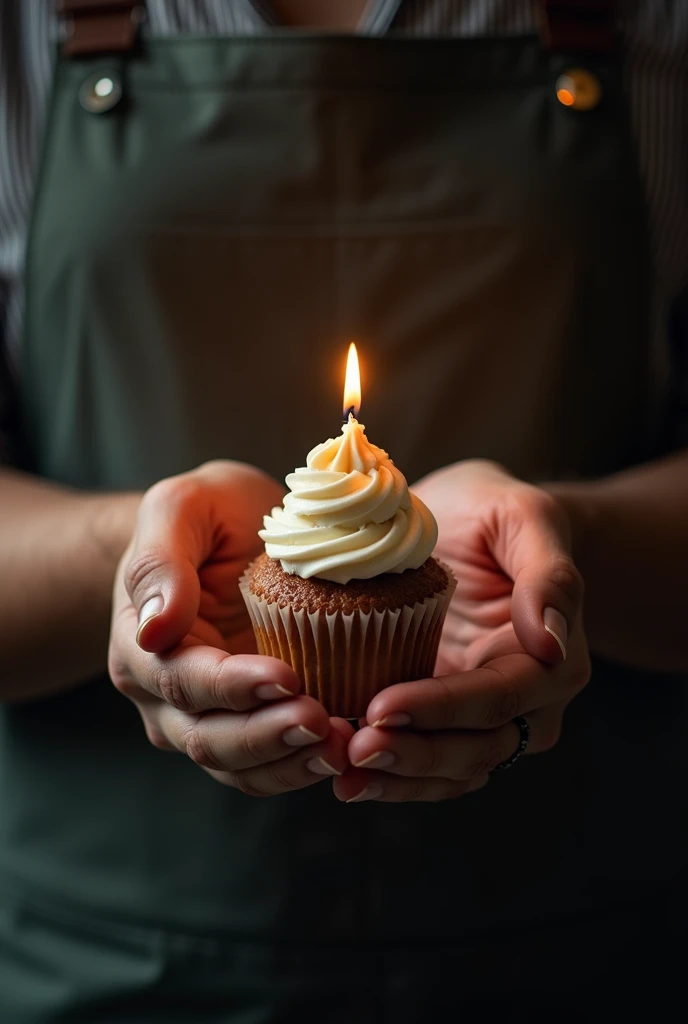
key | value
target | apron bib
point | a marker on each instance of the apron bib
(206, 236)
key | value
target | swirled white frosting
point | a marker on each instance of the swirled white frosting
(349, 514)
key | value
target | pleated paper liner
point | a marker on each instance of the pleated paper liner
(343, 660)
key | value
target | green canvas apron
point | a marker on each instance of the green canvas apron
(199, 254)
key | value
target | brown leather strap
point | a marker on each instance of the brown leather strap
(111, 26)
(100, 26)
(579, 25)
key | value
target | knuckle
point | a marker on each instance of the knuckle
(417, 790)
(252, 743)
(278, 778)
(125, 685)
(488, 760)
(244, 783)
(249, 743)
(159, 491)
(171, 689)
(156, 737)
(447, 703)
(197, 747)
(490, 466)
(120, 676)
(224, 778)
(173, 491)
(143, 568)
(213, 467)
(565, 576)
(431, 760)
(534, 503)
(503, 708)
(217, 688)
(122, 679)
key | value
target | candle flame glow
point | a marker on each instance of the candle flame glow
(352, 383)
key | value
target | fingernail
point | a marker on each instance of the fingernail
(150, 609)
(320, 766)
(272, 691)
(371, 792)
(300, 736)
(393, 719)
(555, 624)
(380, 759)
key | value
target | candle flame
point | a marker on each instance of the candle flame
(352, 383)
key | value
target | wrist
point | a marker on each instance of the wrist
(111, 520)
(584, 514)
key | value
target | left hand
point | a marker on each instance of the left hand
(513, 644)
(182, 648)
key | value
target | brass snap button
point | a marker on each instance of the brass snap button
(100, 92)
(578, 89)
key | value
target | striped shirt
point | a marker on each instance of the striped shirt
(655, 37)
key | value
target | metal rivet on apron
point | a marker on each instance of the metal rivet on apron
(100, 92)
(579, 89)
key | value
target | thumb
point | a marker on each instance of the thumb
(161, 574)
(547, 597)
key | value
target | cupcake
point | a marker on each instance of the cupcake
(347, 591)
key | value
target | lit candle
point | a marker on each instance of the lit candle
(351, 452)
(352, 385)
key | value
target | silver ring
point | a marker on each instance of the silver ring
(524, 740)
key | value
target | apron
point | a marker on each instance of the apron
(209, 229)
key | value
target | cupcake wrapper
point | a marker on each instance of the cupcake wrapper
(344, 660)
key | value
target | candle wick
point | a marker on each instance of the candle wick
(349, 414)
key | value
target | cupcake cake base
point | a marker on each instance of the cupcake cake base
(346, 642)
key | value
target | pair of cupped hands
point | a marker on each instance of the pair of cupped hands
(182, 647)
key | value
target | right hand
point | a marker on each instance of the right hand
(182, 647)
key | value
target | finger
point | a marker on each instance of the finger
(195, 677)
(174, 535)
(483, 698)
(459, 755)
(343, 727)
(360, 786)
(547, 598)
(231, 741)
(296, 771)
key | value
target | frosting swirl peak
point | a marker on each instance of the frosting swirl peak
(349, 514)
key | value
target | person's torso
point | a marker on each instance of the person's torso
(200, 251)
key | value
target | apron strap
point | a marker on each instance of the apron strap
(578, 25)
(111, 26)
(100, 26)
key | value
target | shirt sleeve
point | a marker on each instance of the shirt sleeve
(5, 385)
(9, 393)
(27, 48)
(678, 338)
